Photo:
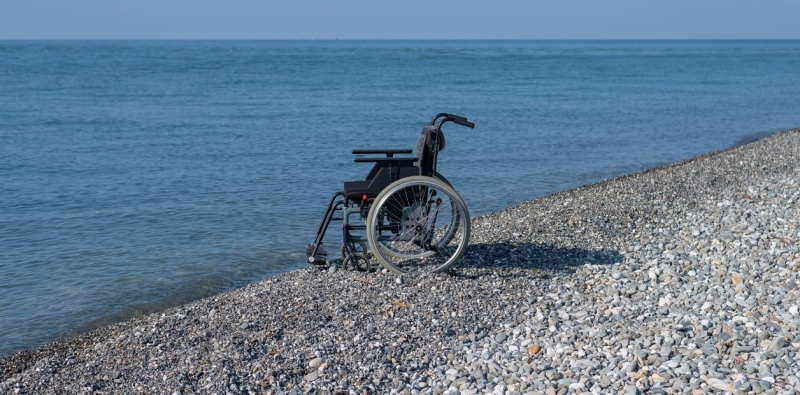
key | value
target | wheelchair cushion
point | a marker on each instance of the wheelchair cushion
(354, 190)
(385, 171)
(426, 144)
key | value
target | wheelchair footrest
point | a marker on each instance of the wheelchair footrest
(318, 258)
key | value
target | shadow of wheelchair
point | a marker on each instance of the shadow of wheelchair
(542, 260)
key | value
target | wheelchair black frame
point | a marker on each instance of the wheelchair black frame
(348, 206)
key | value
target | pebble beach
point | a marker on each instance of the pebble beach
(678, 279)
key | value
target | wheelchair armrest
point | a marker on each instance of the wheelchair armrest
(386, 160)
(389, 152)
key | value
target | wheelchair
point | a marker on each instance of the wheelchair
(404, 214)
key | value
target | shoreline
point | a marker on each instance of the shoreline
(512, 308)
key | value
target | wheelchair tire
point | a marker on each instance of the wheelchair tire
(418, 225)
(441, 177)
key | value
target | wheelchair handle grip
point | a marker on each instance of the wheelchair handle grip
(461, 121)
(468, 124)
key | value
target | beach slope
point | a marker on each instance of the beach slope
(679, 278)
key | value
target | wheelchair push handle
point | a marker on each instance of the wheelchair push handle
(452, 118)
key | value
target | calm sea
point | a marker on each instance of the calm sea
(138, 175)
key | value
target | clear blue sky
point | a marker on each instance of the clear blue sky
(406, 19)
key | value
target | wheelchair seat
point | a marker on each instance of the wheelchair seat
(389, 169)
(383, 173)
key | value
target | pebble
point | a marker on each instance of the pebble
(315, 363)
(720, 384)
(778, 343)
(679, 279)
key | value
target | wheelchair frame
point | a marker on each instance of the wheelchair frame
(397, 207)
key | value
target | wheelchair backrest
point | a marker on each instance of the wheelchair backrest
(429, 143)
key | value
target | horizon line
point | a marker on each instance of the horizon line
(399, 39)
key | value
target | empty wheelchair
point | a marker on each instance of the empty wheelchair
(404, 214)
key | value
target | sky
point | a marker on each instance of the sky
(406, 19)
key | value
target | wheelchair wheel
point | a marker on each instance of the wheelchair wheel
(355, 256)
(451, 230)
(357, 262)
(418, 225)
(352, 247)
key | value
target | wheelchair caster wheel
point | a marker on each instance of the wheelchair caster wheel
(358, 262)
(353, 247)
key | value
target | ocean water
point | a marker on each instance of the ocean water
(138, 175)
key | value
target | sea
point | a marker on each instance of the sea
(139, 175)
